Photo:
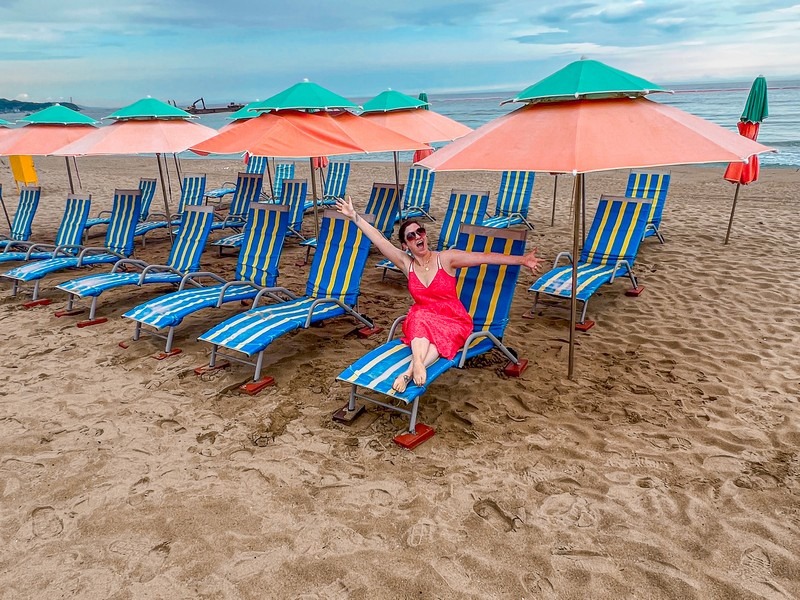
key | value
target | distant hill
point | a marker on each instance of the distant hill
(14, 106)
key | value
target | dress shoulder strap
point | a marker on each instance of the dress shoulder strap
(439, 260)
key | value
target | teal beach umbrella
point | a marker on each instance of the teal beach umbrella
(305, 95)
(584, 80)
(390, 100)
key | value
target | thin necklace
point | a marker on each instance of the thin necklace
(427, 262)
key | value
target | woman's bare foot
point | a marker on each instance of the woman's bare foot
(419, 373)
(401, 383)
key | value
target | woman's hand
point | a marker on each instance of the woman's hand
(531, 261)
(346, 208)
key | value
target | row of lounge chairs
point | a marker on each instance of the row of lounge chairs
(332, 290)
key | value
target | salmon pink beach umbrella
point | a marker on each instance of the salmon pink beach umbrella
(412, 117)
(755, 111)
(603, 129)
(46, 131)
(147, 126)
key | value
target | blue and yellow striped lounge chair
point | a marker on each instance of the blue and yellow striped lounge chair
(118, 244)
(148, 188)
(383, 204)
(332, 291)
(254, 164)
(283, 171)
(248, 189)
(513, 200)
(334, 185)
(651, 186)
(184, 258)
(464, 207)
(417, 195)
(609, 251)
(256, 270)
(294, 192)
(69, 235)
(193, 188)
(23, 217)
(486, 291)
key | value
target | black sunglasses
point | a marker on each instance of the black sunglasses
(412, 235)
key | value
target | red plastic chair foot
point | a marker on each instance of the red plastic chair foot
(221, 364)
(163, 355)
(585, 326)
(90, 322)
(366, 332)
(254, 387)
(409, 440)
(41, 302)
(69, 313)
(637, 291)
(515, 370)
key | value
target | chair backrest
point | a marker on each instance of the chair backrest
(76, 212)
(514, 193)
(339, 260)
(419, 189)
(283, 171)
(23, 217)
(652, 185)
(256, 164)
(148, 188)
(191, 238)
(262, 244)
(384, 203)
(193, 191)
(465, 206)
(336, 179)
(617, 230)
(248, 189)
(295, 192)
(486, 291)
(125, 212)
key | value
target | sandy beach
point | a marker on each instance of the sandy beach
(668, 468)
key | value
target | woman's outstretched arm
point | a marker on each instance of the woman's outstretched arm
(457, 259)
(389, 250)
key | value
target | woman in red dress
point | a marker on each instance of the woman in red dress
(437, 323)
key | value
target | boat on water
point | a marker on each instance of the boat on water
(198, 107)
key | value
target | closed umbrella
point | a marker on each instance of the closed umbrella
(148, 126)
(573, 136)
(755, 111)
(46, 131)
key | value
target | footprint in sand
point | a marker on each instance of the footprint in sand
(337, 590)
(455, 576)
(756, 564)
(421, 533)
(494, 515)
(46, 523)
(538, 585)
(151, 563)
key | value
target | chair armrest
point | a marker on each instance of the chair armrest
(125, 262)
(560, 255)
(190, 277)
(275, 290)
(394, 327)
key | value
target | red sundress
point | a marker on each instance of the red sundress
(437, 314)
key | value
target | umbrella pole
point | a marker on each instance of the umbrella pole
(583, 210)
(396, 176)
(177, 169)
(314, 198)
(164, 192)
(5, 211)
(573, 303)
(77, 173)
(733, 210)
(69, 176)
(555, 190)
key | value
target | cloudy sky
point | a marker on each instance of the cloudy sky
(107, 53)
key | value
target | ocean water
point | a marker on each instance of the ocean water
(721, 103)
